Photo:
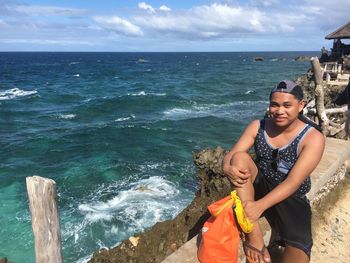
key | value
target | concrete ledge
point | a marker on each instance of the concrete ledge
(337, 153)
(187, 253)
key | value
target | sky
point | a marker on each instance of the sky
(170, 25)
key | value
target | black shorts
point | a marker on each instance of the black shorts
(290, 219)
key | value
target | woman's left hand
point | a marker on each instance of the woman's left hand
(253, 210)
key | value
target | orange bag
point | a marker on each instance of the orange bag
(220, 238)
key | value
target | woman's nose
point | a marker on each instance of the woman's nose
(279, 111)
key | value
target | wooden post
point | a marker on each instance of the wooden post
(328, 127)
(45, 219)
(319, 95)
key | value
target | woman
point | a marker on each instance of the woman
(274, 185)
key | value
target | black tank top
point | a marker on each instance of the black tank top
(276, 163)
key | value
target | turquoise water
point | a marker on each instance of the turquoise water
(105, 125)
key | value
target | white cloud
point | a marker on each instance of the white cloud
(36, 10)
(268, 2)
(218, 21)
(2, 23)
(164, 8)
(118, 25)
(45, 42)
(146, 7)
(257, 20)
(327, 14)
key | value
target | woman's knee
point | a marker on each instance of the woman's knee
(241, 157)
(243, 161)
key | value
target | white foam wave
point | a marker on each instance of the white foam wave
(67, 116)
(122, 119)
(94, 215)
(15, 93)
(74, 62)
(133, 207)
(84, 259)
(239, 109)
(132, 116)
(142, 205)
(249, 92)
(143, 93)
(76, 75)
(141, 60)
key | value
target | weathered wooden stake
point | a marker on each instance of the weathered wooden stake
(327, 126)
(45, 219)
(319, 96)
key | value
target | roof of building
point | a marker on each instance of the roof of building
(340, 33)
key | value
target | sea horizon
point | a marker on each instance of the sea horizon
(261, 51)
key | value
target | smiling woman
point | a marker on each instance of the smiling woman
(276, 183)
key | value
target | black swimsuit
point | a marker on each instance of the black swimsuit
(290, 219)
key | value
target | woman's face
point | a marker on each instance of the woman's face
(284, 108)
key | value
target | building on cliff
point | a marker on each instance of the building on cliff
(336, 66)
(340, 49)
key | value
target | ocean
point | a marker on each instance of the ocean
(117, 131)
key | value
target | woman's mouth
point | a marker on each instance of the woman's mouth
(280, 118)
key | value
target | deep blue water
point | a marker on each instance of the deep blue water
(106, 126)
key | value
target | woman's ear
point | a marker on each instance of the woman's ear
(301, 105)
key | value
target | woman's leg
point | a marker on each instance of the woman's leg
(243, 161)
(293, 254)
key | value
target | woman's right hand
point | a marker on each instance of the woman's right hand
(238, 177)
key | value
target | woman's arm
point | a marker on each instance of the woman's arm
(310, 155)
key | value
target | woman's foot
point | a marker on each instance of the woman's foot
(254, 247)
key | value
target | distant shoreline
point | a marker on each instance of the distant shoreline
(160, 52)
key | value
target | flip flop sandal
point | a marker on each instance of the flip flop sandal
(261, 252)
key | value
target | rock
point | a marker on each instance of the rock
(302, 58)
(259, 59)
(173, 247)
(134, 241)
